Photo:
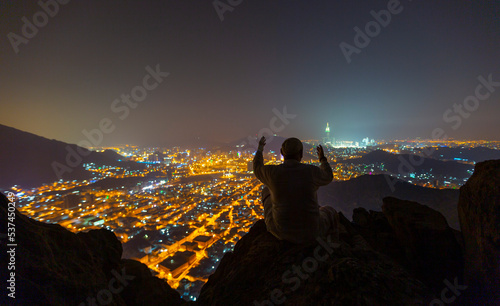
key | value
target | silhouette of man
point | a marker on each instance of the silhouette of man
(291, 209)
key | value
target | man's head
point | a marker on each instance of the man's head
(292, 149)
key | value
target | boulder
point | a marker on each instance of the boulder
(263, 270)
(429, 244)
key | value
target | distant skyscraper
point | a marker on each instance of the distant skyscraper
(327, 138)
(367, 142)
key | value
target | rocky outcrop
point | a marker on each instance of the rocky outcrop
(479, 213)
(416, 237)
(146, 289)
(265, 271)
(377, 231)
(408, 247)
(54, 266)
(431, 250)
(423, 260)
(368, 191)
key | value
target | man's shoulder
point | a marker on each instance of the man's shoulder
(301, 165)
(270, 166)
(311, 166)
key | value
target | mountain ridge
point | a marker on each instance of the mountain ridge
(407, 163)
(33, 160)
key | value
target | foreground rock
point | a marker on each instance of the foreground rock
(57, 267)
(432, 252)
(416, 237)
(479, 213)
(405, 255)
(265, 271)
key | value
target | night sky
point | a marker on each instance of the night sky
(226, 76)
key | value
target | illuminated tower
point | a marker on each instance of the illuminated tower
(327, 132)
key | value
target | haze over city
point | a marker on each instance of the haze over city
(226, 76)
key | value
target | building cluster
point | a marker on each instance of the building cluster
(330, 140)
(179, 222)
(184, 209)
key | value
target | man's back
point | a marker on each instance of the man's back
(294, 212)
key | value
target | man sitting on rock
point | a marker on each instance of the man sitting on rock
(291, 209)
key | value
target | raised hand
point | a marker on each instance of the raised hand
(262, 143)
(321, 153)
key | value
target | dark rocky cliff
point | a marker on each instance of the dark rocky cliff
(479, 212)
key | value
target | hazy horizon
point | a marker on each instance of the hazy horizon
(208, 143)
(212, 76)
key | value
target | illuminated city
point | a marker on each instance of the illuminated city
(186, 208)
